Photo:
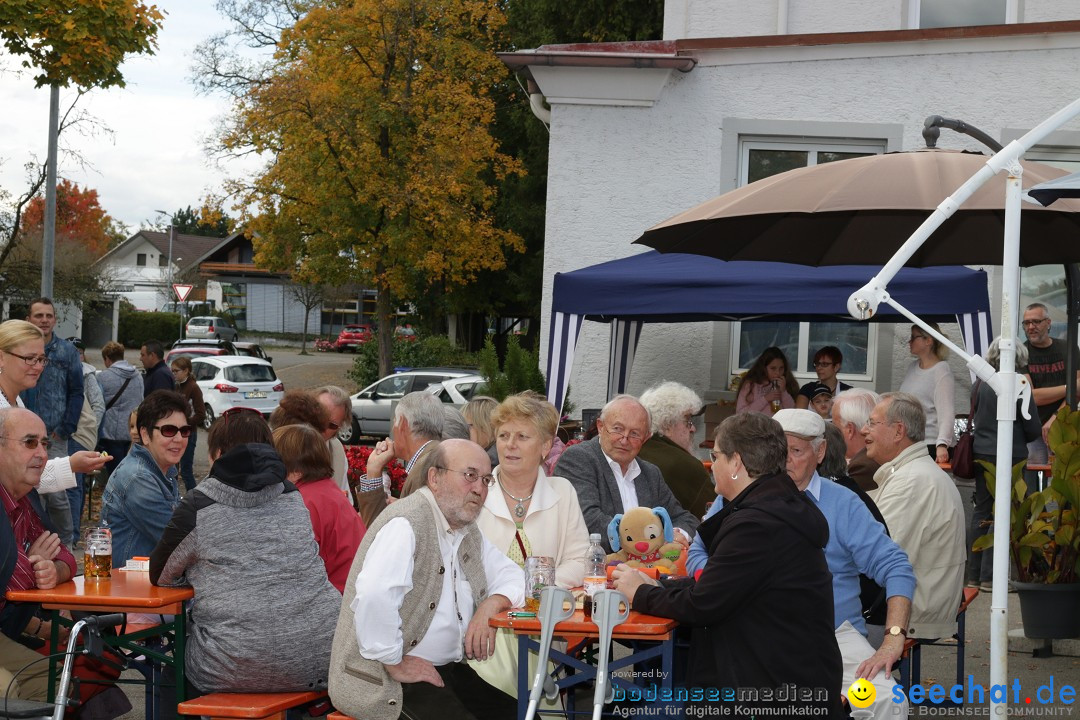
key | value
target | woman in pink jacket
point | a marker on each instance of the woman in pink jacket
(768, 385)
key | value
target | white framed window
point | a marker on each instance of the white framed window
(925, 14)
(761, 157)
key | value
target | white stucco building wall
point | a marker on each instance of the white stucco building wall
(620, 162)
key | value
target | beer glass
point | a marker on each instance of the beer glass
(539, 573)
(97, 561)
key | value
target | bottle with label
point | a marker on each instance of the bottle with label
(595, 571)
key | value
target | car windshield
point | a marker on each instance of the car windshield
(250, 373)
(199, 321)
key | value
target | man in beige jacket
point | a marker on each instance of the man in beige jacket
(922, 509)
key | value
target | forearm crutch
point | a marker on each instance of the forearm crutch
(611, 609)
(556, 605)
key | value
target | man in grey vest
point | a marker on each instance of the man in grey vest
(418, 599)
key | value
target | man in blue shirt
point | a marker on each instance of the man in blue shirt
(857, 544)
(57, 399)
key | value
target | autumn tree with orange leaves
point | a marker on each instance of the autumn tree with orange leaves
(80, 220)
(376, 117)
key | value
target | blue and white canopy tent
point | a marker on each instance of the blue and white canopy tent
(675, 287)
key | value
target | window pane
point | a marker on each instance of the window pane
(250, 373)
(755, 336)
(959, 13)
(851, 338)
(140, 259)
(827, 156)
(766, 163)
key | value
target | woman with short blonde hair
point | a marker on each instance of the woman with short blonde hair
(529, 513)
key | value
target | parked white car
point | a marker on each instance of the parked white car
(229, 381)
(371, 407)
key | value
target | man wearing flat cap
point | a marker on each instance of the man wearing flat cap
(857, 544)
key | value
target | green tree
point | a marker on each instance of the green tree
(204, 221)
(376, 115)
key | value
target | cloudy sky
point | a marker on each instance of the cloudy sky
(154, 160)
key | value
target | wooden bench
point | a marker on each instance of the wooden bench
(269, 706)
(338, 716)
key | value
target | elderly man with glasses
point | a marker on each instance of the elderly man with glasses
(420, 593)
(1046, 366)
(610, 478)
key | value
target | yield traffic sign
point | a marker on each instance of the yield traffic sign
(182, 291)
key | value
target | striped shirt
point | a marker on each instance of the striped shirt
(27, 527)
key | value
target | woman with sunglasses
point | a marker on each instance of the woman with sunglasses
(22, 358)
(142, 492)
(930, 379)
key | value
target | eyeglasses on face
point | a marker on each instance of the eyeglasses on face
(619, 432)
(874, 423)
(823, 363)
(1034, 323)
(30, 360)
(171, 430)
(30, 442)
(471, 476)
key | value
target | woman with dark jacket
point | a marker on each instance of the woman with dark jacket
(980, 565)
(762, 608)
(186, 386)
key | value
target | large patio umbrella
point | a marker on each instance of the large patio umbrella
(860, 211)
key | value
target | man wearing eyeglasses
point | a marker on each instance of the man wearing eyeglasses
(1046, 365)
(923, 510)
(609, 476)
(32, 556)
(420, 593)
(58, 400)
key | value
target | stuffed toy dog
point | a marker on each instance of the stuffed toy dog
(644, 538)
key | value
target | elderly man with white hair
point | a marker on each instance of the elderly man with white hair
(672, 408)
(850, 411)
(857, 544)
(418, 421)
(922, 507)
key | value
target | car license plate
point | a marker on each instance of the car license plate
(254, 394)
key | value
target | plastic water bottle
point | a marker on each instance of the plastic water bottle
(595, 571)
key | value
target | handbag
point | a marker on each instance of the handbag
(963, 458)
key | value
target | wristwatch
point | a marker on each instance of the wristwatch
(896, 630)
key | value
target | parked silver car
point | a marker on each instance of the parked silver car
(207, 326)
(371, 407)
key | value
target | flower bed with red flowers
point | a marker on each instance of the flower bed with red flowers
(357, 455)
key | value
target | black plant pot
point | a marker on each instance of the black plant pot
(1049, 611)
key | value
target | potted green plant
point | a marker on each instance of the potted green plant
(1044, 545)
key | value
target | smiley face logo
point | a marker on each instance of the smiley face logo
(861, 694)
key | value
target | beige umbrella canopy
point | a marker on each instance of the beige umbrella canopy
(860, 211)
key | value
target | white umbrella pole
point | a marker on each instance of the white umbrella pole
(1006, 414)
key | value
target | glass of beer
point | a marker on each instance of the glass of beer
(97, 561)
(539, 573)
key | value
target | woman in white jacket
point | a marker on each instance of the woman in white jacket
(529, 513)
(22, 358)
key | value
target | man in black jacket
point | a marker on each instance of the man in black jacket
(158, 374)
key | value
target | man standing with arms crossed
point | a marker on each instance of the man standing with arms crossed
(57, 400)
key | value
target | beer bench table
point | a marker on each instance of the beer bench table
(125, 592)
(658, 633)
